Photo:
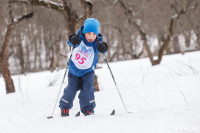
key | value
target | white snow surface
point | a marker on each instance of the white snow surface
(163, 98)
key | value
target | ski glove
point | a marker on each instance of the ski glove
(74, 39)
(102, 47)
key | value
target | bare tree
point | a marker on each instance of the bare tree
(4, 52)
(131, 18)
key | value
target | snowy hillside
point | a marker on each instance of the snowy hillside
(163, 99)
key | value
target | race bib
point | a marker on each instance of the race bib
(83, 56)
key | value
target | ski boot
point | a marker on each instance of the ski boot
(64, 112)
(88, 113)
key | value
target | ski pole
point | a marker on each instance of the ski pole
(106, 59)
(66, 70)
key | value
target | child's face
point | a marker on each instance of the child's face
(90, 36)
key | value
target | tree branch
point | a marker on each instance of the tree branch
(87, 5)
(48, 4)
(20, 18)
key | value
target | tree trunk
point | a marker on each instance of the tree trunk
(96, 85)
(4, 61)
(176, 44)
(198, 41)
(187, 39)
(35, 57)
(21, 57)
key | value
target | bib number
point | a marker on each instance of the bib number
(83, 56)
(80, 59)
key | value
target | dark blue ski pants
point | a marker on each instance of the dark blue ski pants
(86, 96)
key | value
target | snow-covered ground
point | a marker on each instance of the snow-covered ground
(163, 99)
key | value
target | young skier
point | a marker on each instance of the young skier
(87, 43)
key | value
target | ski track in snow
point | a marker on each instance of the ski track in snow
(163, 98)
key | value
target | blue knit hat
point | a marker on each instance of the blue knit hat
(91, 25)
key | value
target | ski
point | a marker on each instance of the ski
(113, 112)
(78, 113)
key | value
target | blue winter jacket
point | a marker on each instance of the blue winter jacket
(84, 56)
